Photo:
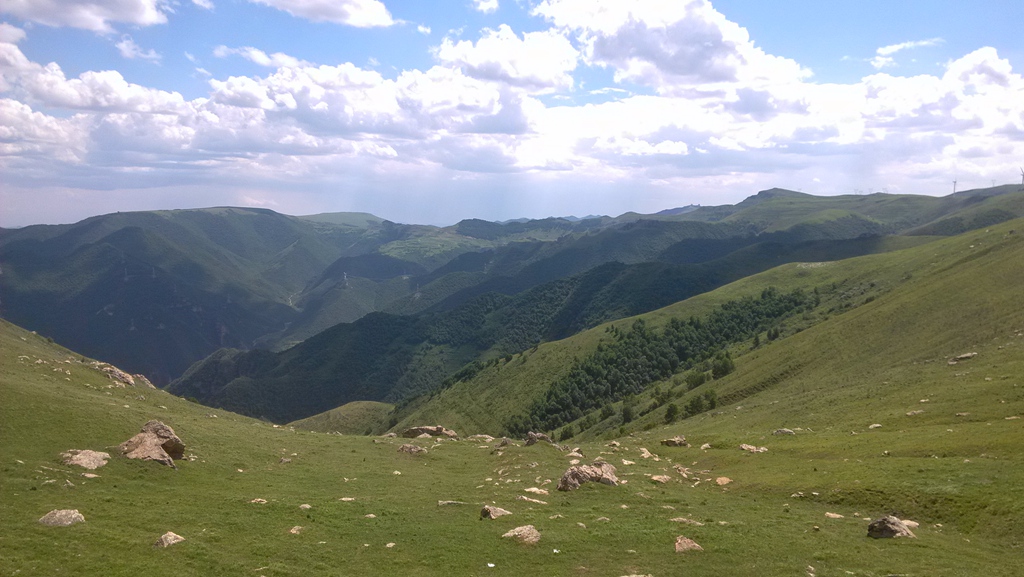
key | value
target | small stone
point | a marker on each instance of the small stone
(723, 481)
(305, 506)
(875, 426)
(661, 478)
(295, 530)
(62, 518)
(705, 446)
(168, 539)
(526, 534)
(684, 544)
(489, 512)
(390, 545)
(411, 449)
(833, 515)
(259, 501)
(370, 516)
(783, 432)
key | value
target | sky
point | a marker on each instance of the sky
(432, 112)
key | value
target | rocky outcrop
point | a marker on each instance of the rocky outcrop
(753, 449)
(168, 539)
(156, 442)
(62, 518)
(598, 472)
(91, 460)
(677, 441)
(889, 527)
(489, 512)
(526, 534)
(434, 431)
(411, 449)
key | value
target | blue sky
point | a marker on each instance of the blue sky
(433, 112)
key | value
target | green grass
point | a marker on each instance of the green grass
(355, 418)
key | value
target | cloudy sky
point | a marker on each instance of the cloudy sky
(430, 112)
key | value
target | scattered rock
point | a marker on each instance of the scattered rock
(677, 441)
(91, 460)
(783, 432)
(370, 516)
(142, 381)
(889, 527)
(683, 545)
(434, 431)
(305, 506)
(963, 357)
(120, 378)
(259, 501)
(628, 462)
(536, 490)
(529, 500)
(648, 455)
(484, 438)
(168, 539)
(504, 443)
(661, 478)
(532, 438)
(723, 481)
(833, 515)
(910, 524)
(705, 446)
(448, 503)
(295, 530)
(687, 521)
(284, 461)
(411, 449)
(90, 475)
(599, 472)
(156, 442)
(875, 426)
(489, 512)
(753, 449)
(915, 413)
(62, 518)
(575, 454)
(525, 534)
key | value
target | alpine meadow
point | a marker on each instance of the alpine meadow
(580, 288)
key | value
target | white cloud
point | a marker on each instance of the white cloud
(205, 4)
(11, 34)
(257, 56)
(884, 56)
(485, 6)
(424, 30)
(95, 15)
(129, 49)
(669, 46)
(539, 62)
(358, 13)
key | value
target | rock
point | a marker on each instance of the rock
(683, 545)
(305, 506)
(259, 501)
(484, 438)
(295, 530)
(434, 431)
(833, 515)
(889, 527)
(447, 503)
(284, 461)
(411, 449)
(915, 413)
(875, 426)
(156, 442)
(536, 490)
(661, 478)
(599, 472)
(723, 481)
(753, 449)
(687, 521)
(120, 378)
(783, 432)
(526, 534)
(529, 500)
(575, 455)
(91, 460)
(168, 539)
(613, 444)
(677, 441)
(910, 524)
(489, 512)
(62, 518)
(963, 357)
(648, 455)
(705, 446)
(142, 381)
(390, 435)
(504, 443)
(532, 438)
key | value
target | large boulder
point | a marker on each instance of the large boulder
(684, 544)
(598, 472)
(156, 442)
(432, 431)
(62, 518)
(677, 441)
(889, 527)
(91, 460)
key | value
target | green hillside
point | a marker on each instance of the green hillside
(875, 350)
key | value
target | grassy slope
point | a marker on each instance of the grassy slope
(907, 279)
(353, 418)
(751, 527)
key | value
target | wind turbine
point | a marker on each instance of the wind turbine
(954, 186)
(1022, 176)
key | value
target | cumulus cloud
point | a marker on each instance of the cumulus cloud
(669, 46)
(130, 50)
(11, 34)
(884, 56)
(485, 6)
(358, 13)
(96, 15)
(539, 62)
